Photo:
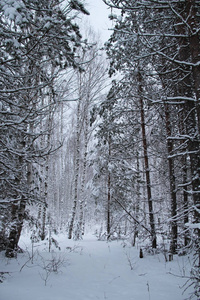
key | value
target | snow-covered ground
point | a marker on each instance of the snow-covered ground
(92, 269)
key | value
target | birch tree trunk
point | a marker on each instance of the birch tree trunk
(82, 200)
(61, 165)
(76, 176)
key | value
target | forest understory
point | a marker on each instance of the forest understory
(93, 269)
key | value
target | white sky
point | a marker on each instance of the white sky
(98, 18)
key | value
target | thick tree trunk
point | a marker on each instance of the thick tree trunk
(195, 159)
(195, 54)
(17, 209)
(189, 48)
(17, 213)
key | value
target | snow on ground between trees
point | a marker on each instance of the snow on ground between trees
(92, 269)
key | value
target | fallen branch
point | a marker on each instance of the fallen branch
(132, 217)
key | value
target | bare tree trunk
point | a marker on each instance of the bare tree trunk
(61, 171)
(82, 205)
(45, 142)
(185, 180)
(174, 227)
(77, 166)
(42, 212)
(193, 123)
(146, 163)
(136, 206)
(195, 52)
(185, 201)
(18, 205)
(43, 227)
(108, 207)
(109, 193)
(17, 213)
(17, 217)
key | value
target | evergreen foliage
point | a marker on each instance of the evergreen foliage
(38, 40)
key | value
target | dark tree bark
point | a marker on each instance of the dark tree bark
(108, 208)
(17, 218)
(195, 160)
(174, 227)
(191, 49)
(146, 163)
(109, 192)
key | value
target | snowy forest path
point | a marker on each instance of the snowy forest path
(90, 269)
